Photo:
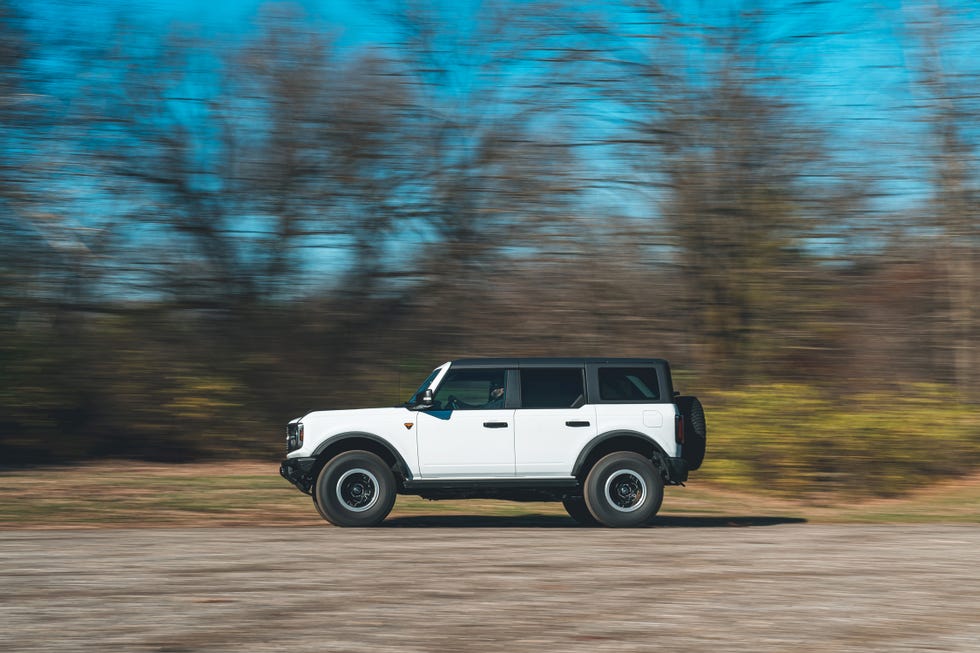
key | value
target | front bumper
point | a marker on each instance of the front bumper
(300, 472)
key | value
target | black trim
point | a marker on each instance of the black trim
(512, 396)
(486, 483)
(299, 472)
(509, 489)
(673, 471)
(668, 382)
(602, 437)
(400, 462)
(677, 470)
(475, 363)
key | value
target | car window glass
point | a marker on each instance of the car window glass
(552, 388)
(471, 390)
(628, 384)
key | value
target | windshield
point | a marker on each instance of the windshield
(414, 399)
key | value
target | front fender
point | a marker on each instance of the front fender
(357, 439)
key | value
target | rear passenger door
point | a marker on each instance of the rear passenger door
(553, 422)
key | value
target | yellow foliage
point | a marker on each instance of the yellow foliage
(797, 439)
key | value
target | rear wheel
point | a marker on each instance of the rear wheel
(356, 488)
(624, 489)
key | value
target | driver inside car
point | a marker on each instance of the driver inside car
(495, 399)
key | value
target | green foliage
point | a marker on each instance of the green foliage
(795, 439)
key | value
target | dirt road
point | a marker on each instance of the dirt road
(510, 585)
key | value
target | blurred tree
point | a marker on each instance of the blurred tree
(729, 158)
(951, 109)
(331, 152)
(494, 169)
(210, 235)
(46, 265)
(14, 260)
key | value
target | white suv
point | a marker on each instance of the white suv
(603, 436)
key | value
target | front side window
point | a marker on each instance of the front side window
(471, 390)
(637, 384)
(561, 387)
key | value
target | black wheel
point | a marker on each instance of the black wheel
(356, 488)
(624, 489)
(577, 510)
(695, 431)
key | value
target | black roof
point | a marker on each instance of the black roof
(552, 362)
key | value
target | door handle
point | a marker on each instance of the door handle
(576, 424)
(495, 425)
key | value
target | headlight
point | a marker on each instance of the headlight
(294, 436)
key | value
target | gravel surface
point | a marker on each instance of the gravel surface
(463, 586)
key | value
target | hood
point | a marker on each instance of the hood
(351, 414)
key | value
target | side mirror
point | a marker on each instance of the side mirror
(426, 400)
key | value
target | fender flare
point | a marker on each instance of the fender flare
(400, 463)
(587, 450)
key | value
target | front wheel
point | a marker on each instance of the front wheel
(355, 488)
(624, 489)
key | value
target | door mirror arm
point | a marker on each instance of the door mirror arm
(425, 401)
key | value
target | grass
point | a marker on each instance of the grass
(125, 494)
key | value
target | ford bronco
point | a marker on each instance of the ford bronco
(601, 435)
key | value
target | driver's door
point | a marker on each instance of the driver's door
(467, 433)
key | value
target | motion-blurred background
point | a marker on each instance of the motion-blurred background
(216, 218)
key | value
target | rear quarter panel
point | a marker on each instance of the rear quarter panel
(655, 421)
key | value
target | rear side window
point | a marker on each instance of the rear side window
(561, 387)
(637, 384)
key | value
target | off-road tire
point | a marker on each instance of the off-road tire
(355, 488)
(316, 504)
(623, 490)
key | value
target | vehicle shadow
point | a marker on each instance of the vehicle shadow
(559, 521)
(692, 521)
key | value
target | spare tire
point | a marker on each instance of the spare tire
(695, 430)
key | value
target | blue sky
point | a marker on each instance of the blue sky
(845, 62)
(843, 55)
